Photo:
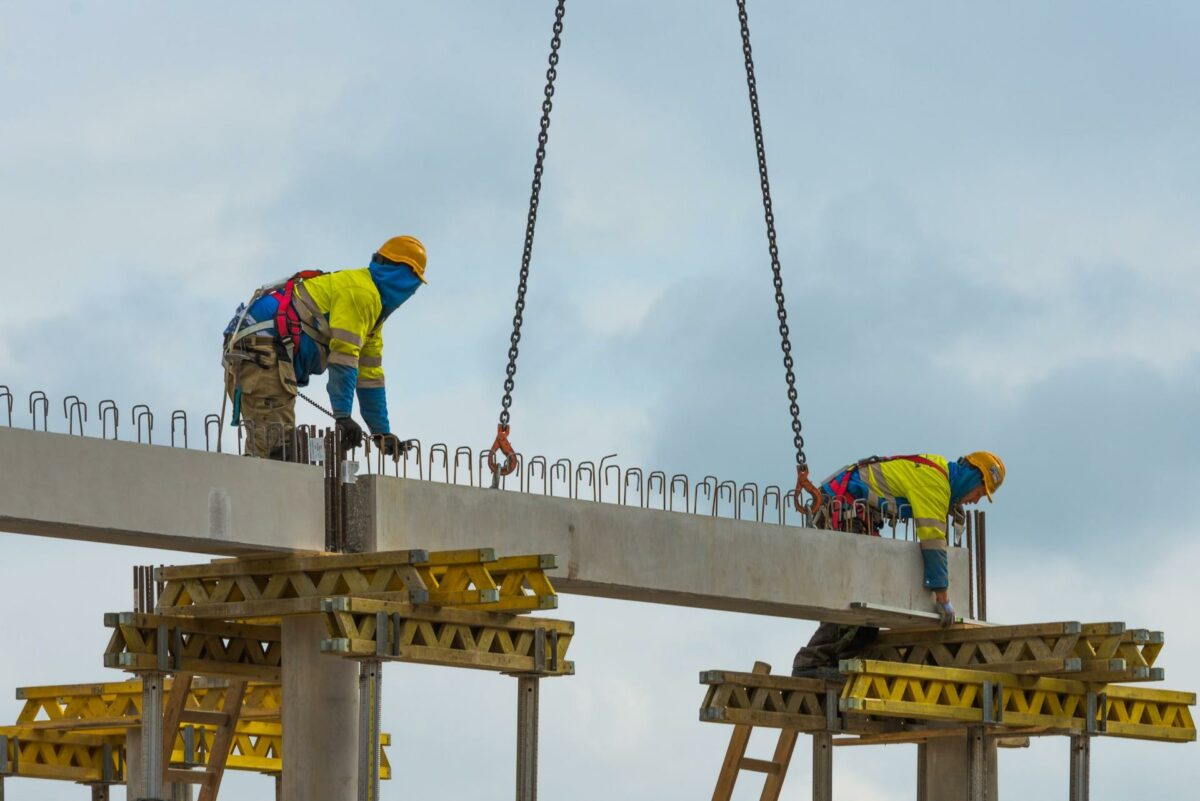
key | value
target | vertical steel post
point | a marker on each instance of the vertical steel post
(977, 774)
(279, 787)
(99, 792)
(370, 688)
(152, 733)
(922, 773)
(1081, 759)
(822, 771)
(1, 788)
(527, 737)
(981, 543)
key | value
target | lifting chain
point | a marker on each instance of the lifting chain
(802, 480)
(501, 443)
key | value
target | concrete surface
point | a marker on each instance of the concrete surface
(153, 496)
(943, 774)
(85, 488)
(320, 716)
(625, 553)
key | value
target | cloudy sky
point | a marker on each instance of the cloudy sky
(987, 223)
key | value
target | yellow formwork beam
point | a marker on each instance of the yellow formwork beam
(921, 692)
(270, 586)
(90, 758)
(118, 705)
(141, 642)
(1097, 652)
(36, 754)
(365, 628)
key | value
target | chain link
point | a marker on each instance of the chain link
(772, 246)
(535, 190)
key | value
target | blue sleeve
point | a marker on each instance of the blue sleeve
(341, 389)
(372, 402)
(937, 569)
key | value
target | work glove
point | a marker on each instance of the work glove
(945, 610)
(351, 433)
(391, 445)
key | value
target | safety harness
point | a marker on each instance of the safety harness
(287, 323)
(839, 483)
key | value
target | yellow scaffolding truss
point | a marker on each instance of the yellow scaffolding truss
(372, 629)
(980, 697)
(118, 705)
(269, 586)
(1097, 652)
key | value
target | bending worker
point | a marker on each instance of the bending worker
(314, 321)
(925, 488)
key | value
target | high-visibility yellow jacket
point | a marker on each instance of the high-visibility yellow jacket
(924, 488)
(348, 306)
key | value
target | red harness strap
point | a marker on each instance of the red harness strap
(840, 484)
(924, 461)
(287, 319)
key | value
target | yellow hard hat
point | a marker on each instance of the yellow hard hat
(406, 250)
(992, 468)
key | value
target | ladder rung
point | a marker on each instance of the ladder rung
(205, 717)
(759, 765)
(186, 776)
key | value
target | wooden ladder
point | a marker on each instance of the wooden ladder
(176, 713)
(736, 761)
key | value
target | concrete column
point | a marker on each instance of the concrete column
(945, 769)
(320, 716)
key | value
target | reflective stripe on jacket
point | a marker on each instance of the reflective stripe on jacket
(925, 488)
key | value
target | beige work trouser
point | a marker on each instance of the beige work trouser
(268, 401)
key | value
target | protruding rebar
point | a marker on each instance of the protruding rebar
(105, 407)
(6, 395)
(179, 417)
(142, 412)
(36, 398)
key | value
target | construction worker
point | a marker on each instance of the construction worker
(925, 488)
(310, 323)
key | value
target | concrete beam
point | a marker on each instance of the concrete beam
(632, 554)
(84, 488)
(184, 500)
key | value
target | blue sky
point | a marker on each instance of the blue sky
(987, 223)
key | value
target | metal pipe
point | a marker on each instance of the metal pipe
(1081, 767)
(981, 539)
(527, 737)
(370, 698)
(822, 770)
(152, 732)
(977, 773)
